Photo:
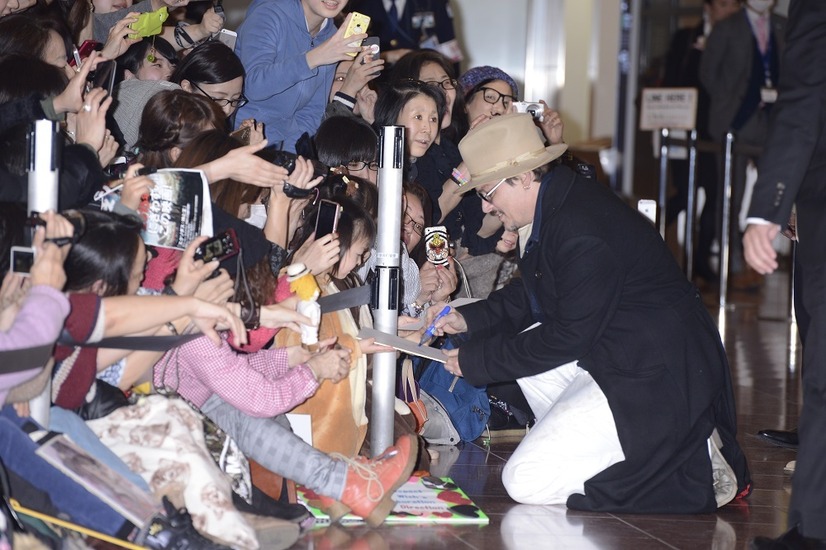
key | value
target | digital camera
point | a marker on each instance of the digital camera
(534, 108)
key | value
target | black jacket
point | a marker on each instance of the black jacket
(609, 294)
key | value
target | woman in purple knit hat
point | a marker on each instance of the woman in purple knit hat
(490, 91)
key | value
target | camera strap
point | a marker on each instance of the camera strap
(17, 360)
(142, 343)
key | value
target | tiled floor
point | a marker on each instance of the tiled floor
(757, 341)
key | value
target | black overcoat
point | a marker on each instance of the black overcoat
(609, 294)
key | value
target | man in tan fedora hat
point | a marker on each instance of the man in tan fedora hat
(610, 343)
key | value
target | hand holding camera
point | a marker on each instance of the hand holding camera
(339, 47)
(91, 119)
(192, 271)
(365, 68)
(119, 40)
(551, 125)
(70, 100)
(149, 23)
(319, 254)
(43, 261)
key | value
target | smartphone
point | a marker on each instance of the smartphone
(327, 220)
(103, 76)
(372, 42)
(85, 50)
(242, 134)
(437, 246)
(21, 260)
(648, 208)
(358, 25)
(228, 37)
(219, 247)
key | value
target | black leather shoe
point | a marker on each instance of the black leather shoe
(781, 438)
(790, 540)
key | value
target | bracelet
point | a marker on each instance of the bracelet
(171, 328)
(458, 178)
(417, 309)
(251, 316)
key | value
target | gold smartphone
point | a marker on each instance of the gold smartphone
(358, 25)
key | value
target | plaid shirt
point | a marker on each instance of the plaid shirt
(260, 384)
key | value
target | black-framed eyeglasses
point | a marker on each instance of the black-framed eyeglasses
(494, 96)
(447, 84)
(356, 165)
(488, 196)
(234, 103)
(418, 228)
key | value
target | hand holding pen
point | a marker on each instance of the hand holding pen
(431, 328)
(444, 320)
(133, 187)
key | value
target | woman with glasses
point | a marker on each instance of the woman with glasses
(490, 91)
(213, 71)
(357, 152)
(441, 171)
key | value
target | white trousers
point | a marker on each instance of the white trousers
(574, 438)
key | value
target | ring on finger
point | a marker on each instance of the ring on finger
(87, 107)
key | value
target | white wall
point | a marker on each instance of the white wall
(493, 33)
(563, 51)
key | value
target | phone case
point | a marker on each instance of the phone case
(219, 248)
(437, 247)
(322, 225)
(85, 50)
(373, 43)
(358, 25)
(149, 23)
(242, 134)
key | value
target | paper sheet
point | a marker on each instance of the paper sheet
(401, 344)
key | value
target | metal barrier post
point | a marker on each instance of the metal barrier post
(386, 297)
(726, 221)
(663, 179)
(690, 206)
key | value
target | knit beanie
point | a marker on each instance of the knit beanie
(478, 75)
(131, 96)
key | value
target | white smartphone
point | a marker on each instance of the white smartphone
(648, 208)
(228, 37)
(22, 260)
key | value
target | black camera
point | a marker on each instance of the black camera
(75, 217)
(286, 160)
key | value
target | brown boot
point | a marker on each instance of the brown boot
(370, 483)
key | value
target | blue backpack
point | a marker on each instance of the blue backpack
(467, 406)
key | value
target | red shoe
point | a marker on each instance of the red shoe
(371, 483)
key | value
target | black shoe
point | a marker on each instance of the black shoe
(503, 422)
(790, 540)
(781, 438)
(264, 505)
(175, 531)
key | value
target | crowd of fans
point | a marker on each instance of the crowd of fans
(183, 99)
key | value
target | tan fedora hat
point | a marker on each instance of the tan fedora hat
(504, 147)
